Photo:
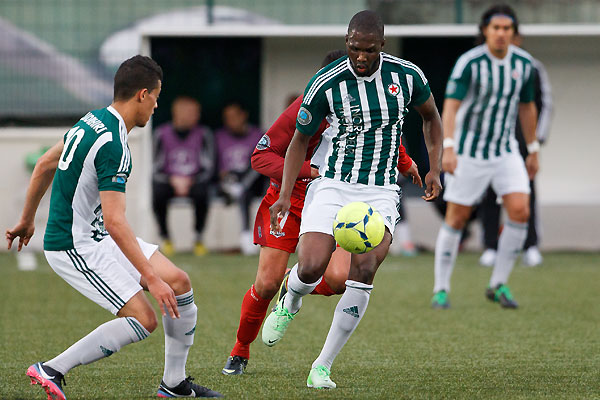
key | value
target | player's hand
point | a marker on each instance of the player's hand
(413, 173)
(279, 210)
(433, 186)
(164, 295)
(23, 231)
(449, 160)
(532, 165)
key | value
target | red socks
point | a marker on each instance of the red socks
(323, 289)
(254, 309)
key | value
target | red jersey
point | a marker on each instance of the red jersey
(269, 154)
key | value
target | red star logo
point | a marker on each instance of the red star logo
(393, 89)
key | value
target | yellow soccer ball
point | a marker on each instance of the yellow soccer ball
(358, 228)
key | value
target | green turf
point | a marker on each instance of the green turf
(549, 348)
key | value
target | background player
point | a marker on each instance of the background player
(89, 243)
(488, 86)
(366, 95)
(268, 159)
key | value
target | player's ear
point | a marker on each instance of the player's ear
(141, 94)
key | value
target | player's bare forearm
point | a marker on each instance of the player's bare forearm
(41, 178)
(528, 117)
(115, 222)
(432, 132)
(294, 159)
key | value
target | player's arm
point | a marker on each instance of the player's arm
(115, 222)
(432, 131)
(294, 158)
(42, 176)
(449, 160)
(269, 162)
(528, 117)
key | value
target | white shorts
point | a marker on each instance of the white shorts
(324, 197)
(100, 272)
(472, 177)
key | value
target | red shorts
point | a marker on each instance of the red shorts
(287, 240)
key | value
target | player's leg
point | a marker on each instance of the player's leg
(99, 277)
(349, 311)
(336, 274)
(446, 250)
(271, 268)
(463, 189)
(512, 183)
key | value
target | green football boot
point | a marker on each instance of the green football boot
(318, 378)
(440, 300)
(276, 324)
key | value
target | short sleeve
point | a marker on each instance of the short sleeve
(113, 165)
(458, 83)
(528, 90)
(421, 90)
(313, 110)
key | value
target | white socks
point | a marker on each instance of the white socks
(446, 249)
(103, 341)
(297, 289)
(179, 337)
(348, 313)
(510, 244)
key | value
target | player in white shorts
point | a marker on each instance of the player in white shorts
(89, 243)
(365, 96)
(489, 86)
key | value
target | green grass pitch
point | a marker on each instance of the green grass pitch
(549, 348)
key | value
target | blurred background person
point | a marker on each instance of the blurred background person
(489, 210)
(238, 182)
(184, 160)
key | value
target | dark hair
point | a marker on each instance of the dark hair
(495, 10)
(332, 56)
(139, 72)
(366, 21)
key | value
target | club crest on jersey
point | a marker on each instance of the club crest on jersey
(263, 143)
(393, 89)
(304, 116)
(515, 74)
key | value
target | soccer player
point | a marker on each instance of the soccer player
(268, 159)
(366, 96)
(89, 243)
(489, 85)
(489, 208)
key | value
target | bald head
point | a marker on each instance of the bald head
(366, 21)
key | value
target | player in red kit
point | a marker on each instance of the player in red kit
(276, 247)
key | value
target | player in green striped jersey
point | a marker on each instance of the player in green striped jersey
(90, 244)
(488, 87)
(365, 96)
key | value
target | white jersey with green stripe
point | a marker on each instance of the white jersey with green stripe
(490, 90)
(95, 157)
(365, 114)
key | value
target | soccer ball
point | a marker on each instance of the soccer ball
(358, 228)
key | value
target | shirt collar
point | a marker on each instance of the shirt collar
(371, 77)
(114, 112)
(497, 60)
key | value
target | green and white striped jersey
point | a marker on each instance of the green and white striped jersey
(490, 90)
(366, 116)
(95, 157)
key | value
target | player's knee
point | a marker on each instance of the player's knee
(181, 282)
(337, 281)
(520, 214)
(148, 319)
(266, 288)
(309, 273)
